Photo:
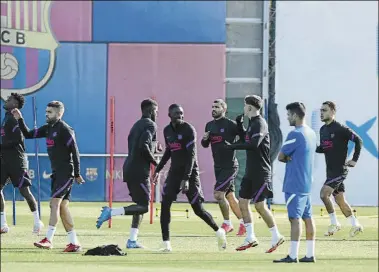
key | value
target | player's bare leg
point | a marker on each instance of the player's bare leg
(224, 208)
(250, 240)
(356, 227)
(277, 239)
(46, 243)
(68, 224)
(4, 226)
(133, 239)
(310, 234)
(325, 196)
(32, 203)
(295, 238)
(234, 205)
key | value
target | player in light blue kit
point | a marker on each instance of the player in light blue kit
(298, 153)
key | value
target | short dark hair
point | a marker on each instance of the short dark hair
(298, 108)
(331, 105)
(254, 100)
(148, 104)
(222, 102)
(56, 104)
(173, 106)
(20, 99)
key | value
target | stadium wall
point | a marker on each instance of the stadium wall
(333, 57)
(173, 51)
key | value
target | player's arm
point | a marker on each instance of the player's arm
(240, 129)
(206, 140)
(354, 137)
(40, 132)
(191, 152)
(319, 148)
(70, 142)
(146, 140)
(165, 158)
(288, 148)
(259, 131)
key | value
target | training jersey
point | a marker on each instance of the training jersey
(257, 145)
(222, 130)
(299, 146)
(61, 145)
(141, 147)
(181, 149)
(334, 140)
(12, 141)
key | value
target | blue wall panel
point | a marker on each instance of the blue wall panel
(159, 21)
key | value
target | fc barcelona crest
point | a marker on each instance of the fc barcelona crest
(91, 174)
(27, 46)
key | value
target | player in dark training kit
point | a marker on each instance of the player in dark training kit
(65, 165)
(225, 162)
(334, 139)
(136, 170)
(256, 182)
(180, 139)
(14, 162)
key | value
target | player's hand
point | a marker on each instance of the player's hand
(227, 145)
(155, 177)
(239, 119)
(159, 147)
(184, 186)
(79, 180)
(351, 163)
(206, 136)
(16, 114)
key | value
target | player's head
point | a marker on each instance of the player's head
(218, 108)
(176, 114)
(54, 111)
(253, 104)
(149, 108)
(15, 100)
(295, 113)
(328, 111)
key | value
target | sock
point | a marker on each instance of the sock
(133, 234)
(36, 217)
(228, 222)
(333, 218)
(310, 248)
(353, 220)
(118, 211)
(50, 233)
(241, 221)
(167, 244)
(3, 219)
(274, 233)
(250, 232)
(294, 252)
(72, 238)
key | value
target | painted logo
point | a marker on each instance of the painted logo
(27, 46)
(362, 131)
(91, 174)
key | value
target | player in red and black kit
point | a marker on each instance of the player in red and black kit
(14, 162)
(255, 184)
(180, 139)
(136, 170)
(65, 165)
(334, 139)
(225, 162)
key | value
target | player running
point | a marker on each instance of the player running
(334, 140)
(225, 162)
(14, 162)
(256, 182)
(65, 165)
(180, 139)
(136, 171)
(298, 154)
